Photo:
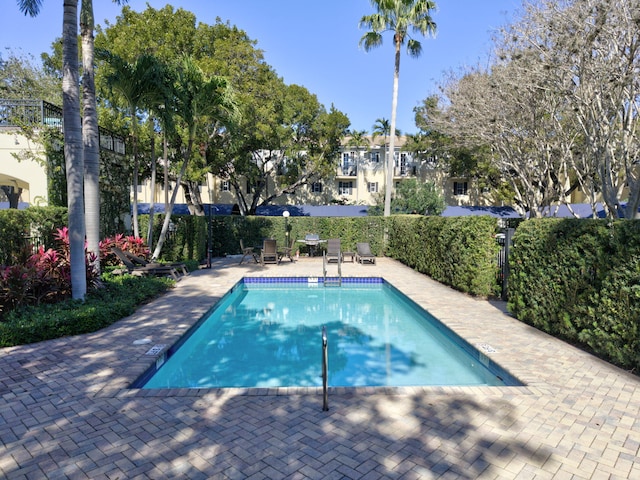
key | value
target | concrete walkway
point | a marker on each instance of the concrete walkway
(66, 412)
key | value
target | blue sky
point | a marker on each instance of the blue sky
(315, 44)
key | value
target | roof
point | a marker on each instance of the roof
(582, 210)
(497, 212)
(270, 210)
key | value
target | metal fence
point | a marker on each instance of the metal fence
(18, 113)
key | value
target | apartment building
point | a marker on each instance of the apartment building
(359, 178)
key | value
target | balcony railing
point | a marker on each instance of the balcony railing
(16, 113)
(408, 170)
(348, 170)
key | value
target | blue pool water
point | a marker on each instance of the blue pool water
(269, 335)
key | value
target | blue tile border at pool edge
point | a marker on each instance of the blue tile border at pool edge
(307, 280)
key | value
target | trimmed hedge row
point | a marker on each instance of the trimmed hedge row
(579, 280)
(190, 237)
(460, 252)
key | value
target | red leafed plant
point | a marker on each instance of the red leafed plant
(44, 278)
(128, 243)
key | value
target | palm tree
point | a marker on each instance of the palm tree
(397, 16)
(357, 139)
(197, 100)
(73, 137)
(138, 86)
(90, 135)
(382, 127)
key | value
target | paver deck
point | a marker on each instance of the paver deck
(66, 411)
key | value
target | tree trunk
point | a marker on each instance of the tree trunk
(73, 148)
(392, 134)
(134, 219)
(13, 195)
(90, 135)
(169, 208)
(153, 189)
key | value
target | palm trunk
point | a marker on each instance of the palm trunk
(169, 208)
(90, 136)
(73, 148)
(392, 134)
(136, 228)
(153, 188)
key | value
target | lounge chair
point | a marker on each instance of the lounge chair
(248, 252)
(269, 251)
(286, 251)
(333, 250)
(151, 269)
(179, 266)
(364, 255)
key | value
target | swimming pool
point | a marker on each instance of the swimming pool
(266, 332)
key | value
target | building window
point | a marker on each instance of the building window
(316, 187)
(224, 186)
(345, 188)
(460, 188)
(375, 157)
(403, 164)
(372, 187)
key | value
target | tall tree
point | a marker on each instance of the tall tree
(136, 86)
(90, 135)
(73, 148)
(199, 101)
(21, 77)
(398, 17)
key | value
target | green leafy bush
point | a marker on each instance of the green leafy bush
(460, 252)
(118, 298)
(580, 280)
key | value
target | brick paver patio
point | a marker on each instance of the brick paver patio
(66, 412)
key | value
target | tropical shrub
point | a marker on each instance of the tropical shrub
(118, 298)
(45, 277)
(127, 243)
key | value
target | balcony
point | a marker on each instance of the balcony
(348, 169)
(407, 170)
(14, 113)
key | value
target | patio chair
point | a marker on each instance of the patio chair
(269, 251)
(286, 251)
(151, 269)
(333, 250)
(179, 266)
(364, 255)
(248, 252)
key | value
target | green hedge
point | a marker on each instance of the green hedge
(189, 241)
(18, 229)
(580, 280)
(458, 251)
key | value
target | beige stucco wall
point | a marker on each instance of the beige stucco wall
(25, 173)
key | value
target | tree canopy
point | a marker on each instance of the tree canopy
(282, 137)
(559, 107)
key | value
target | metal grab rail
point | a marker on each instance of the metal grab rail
(324, 268)
(325, 262)
(325, 370)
